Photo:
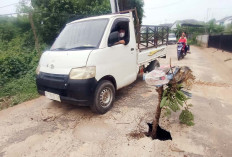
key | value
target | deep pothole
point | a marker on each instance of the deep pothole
(161, 134)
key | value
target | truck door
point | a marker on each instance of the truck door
(124, 54)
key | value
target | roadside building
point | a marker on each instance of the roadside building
(225, 21)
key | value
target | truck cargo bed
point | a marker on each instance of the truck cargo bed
(148, 55)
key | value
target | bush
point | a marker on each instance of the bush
(22, 87)
(16, 65)
(18, 61)
(13, 66)
(186, 117)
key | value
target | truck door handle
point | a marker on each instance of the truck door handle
(132, 49)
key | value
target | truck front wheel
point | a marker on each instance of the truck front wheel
(104, 97)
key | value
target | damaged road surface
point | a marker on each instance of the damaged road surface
(42, 127)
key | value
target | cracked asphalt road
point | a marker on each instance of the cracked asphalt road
(42, 127)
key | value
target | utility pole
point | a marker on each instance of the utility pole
(114, 6)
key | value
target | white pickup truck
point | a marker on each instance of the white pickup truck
(84, 66)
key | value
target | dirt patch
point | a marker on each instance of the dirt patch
(136, 135)
(214, 84)
(5, 102)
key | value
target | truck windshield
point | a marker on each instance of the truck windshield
(80, 35)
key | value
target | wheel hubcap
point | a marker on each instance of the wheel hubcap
(106, 97)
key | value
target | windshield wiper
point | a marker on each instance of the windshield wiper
(80, 47)
(59, 49)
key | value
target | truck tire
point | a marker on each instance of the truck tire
(153, 64)
(103, 97)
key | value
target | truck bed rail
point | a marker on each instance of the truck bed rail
(148, 36)
(152, 36)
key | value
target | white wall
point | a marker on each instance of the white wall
(203, 40)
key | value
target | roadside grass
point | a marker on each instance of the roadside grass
(18, 90)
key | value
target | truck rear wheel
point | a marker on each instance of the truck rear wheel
(104, 97)
(153, 65)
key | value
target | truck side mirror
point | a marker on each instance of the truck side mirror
(113, 38)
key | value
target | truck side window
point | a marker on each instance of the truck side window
(121, 28)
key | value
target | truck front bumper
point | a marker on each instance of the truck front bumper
(71, 91)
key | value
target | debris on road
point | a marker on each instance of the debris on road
(173, 98)
(136, 135)
(228, 59)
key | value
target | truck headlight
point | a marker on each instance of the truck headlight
(82, 73)
(37, 70)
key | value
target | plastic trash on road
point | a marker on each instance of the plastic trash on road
(163, 75)
(156, 77)
(164, 68)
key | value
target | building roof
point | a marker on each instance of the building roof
(167, 25)
(224, 19)
(189, 22)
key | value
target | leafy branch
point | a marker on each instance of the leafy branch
(175, 98)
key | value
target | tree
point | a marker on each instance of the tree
(173, 97)
(178, 30)
(213, 28)
(131, 4)
(228, 28)
(10, 32)
(51, 16)
(12, 28)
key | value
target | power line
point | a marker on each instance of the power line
(8, 5)
(11, 14)
(164, 6)
(38, 12)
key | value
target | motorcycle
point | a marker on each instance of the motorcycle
(181, 50)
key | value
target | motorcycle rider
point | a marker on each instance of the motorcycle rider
(183, 33)
(183, 40)
(187, 46)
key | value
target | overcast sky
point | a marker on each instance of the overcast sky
(168, 11)
(8, 6)
(165, 11)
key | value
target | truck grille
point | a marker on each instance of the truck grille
(53, 77)
(52, 81)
